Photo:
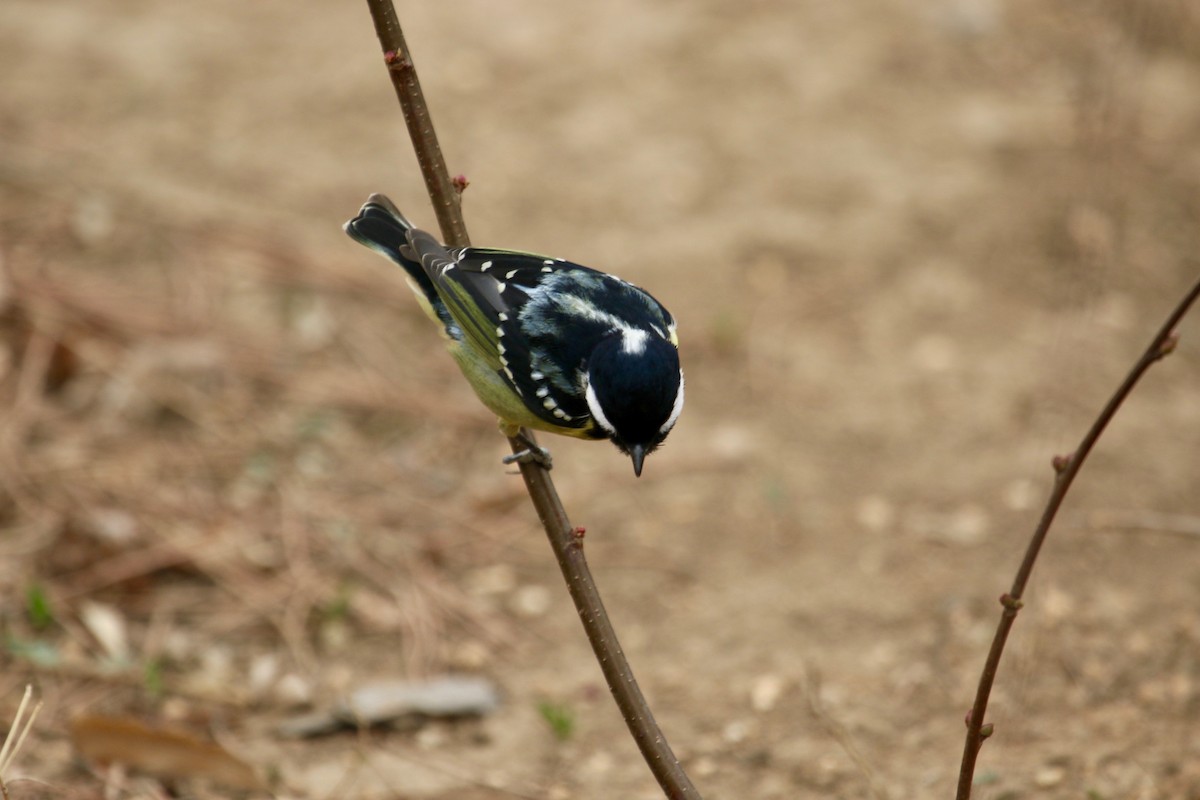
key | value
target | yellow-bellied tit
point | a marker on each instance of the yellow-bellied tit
(545, 343)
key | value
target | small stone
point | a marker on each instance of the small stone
(1048, 777)
(875, 513)
(599, 763)
(492, 580)
(113, 525)
(735, 732)
(531, 601)
(766, 691)
(264, 669)
(1019, 495)
(293, 690)
(935, 353)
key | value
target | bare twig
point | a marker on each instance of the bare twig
(1066, 468)
(566, 540)
(16, 736)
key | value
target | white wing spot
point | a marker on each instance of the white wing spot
(550, 261)
(537, 376)
(508, 372)
(558, 412)
(502, 286)
(503, 317)
(547, 268)
(549, 404)
(510, 274)
(499, 331)
(542, 391)
(485, 266)
(500, 348)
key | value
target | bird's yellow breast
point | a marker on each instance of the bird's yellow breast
(505, 403)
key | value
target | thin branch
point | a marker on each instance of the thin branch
(565, 539)
(447, 201)
(1066, 468)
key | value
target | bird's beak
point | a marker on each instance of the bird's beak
(638, 454)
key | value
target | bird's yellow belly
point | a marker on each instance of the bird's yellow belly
(506, 404)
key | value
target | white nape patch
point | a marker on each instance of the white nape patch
(633, 341)
(672, 335)
(676, 409)
(597, 412)
(485, 266)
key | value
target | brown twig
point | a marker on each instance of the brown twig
(1066, 468)
(566, 540)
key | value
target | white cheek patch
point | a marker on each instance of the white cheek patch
(597, 412)
(676, 409)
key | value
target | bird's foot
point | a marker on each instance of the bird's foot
(531, 454)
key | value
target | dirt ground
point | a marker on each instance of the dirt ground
(912, 248)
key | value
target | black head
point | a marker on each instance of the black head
(635, 390)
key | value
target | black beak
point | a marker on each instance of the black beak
(638, 453)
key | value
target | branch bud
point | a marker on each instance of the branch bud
(1011, 603)
(1168, 345)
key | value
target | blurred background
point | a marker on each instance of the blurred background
(912, 248)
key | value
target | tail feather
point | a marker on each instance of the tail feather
(381, 227)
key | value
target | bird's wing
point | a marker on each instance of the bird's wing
(485, 291)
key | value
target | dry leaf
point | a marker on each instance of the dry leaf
(162, 752)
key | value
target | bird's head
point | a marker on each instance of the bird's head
(635, 390)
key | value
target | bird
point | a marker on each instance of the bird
(546, 344)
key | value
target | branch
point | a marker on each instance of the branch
(1066, 468)
(565, 539)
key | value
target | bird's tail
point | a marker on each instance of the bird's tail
(380, 226)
